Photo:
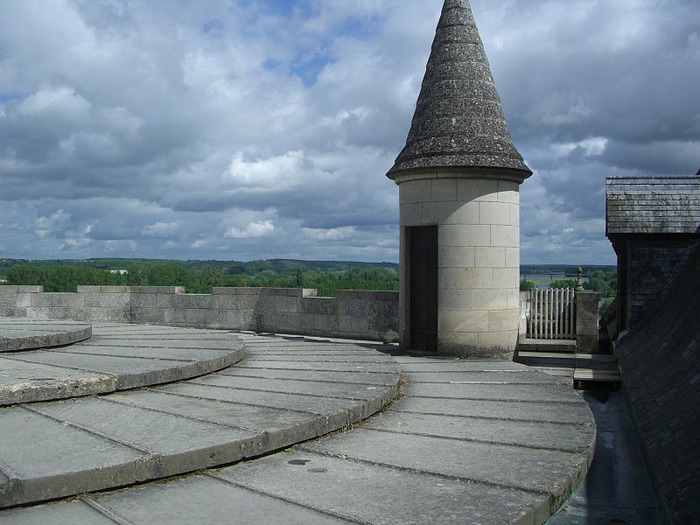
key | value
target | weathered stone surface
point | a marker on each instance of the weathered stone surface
(23, 334)
(424, 460)
(188, 500)
(118, 357)
(66, 513)
(93, 443)
(370, 493)
(22, 382)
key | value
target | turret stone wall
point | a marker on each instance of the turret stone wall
(478, 259)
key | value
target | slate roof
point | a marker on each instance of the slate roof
(652, 205)
(459, 121)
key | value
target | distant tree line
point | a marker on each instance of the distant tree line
(603, 281)
(66, 278)
(328, 277)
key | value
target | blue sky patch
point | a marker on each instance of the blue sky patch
(308, 70)
(10, 97)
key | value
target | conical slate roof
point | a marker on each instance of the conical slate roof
(459, 122)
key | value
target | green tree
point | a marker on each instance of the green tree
(526, 286)
(563, 283)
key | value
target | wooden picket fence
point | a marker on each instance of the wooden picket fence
(552, 314)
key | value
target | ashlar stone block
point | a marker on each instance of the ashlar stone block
(471, 321)
(507, 278)
(465, 278)
(411, 214)
(449, 213)
(415, 191)
(498, 343)
(491, 300)
(457, 300)
(490, 257)
(503, 320)
(508, 192)
(494, 213)
(456, 257)
(473, 189)
(461, 235)
(443, 190)
(507, 236)
(513, 257)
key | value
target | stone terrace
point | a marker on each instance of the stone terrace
(490, 440)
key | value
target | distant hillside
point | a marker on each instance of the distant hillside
(327, 277)
(278, 265)
(231, 267)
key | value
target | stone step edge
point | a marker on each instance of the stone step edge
(52, 334)
(101, 383)
(153, 467)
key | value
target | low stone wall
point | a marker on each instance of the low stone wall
(16, 301)
(353, 314)
(660, 367)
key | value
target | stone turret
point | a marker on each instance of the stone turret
(458, 178)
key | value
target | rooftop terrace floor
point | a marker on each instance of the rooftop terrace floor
(462, 442)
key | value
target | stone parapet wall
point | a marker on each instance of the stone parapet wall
(353, 314)
(16, 300)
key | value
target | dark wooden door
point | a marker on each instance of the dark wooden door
(423, 246)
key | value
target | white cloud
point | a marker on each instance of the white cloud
(47, 225)
(252, 230)
(330, 234)
(160, 229)
(246, 129)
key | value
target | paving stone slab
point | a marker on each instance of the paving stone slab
(139, 435)
(281, 400)
(480, 452)
(249, 417)
(356, 377)
(38, 451)
(312, 364)
(210, 343)
(428, 365)
(105, 364)
(24, 382)
(511, 377)
(130, 372)
(563, 437)
(144, 350)
(65, 513)
(370, 493)
(569, 412)
(22, 334)
(522, 468)
(544, 393)
(203, 499)
(290, 386)
(349, 358)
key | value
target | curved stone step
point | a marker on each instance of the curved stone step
(468, 442)
(17, 335)
(116, 357)
(61, 448)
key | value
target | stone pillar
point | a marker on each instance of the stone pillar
(587, 322)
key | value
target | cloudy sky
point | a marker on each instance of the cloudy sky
(246, 129)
